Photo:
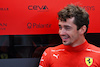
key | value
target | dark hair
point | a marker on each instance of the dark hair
(81, 16)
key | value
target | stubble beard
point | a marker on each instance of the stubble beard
(66, 43)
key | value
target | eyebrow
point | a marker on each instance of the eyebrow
(65, 25)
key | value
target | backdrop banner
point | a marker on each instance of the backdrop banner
(30, 17)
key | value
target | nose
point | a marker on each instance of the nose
(62, 31)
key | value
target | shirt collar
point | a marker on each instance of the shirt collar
(77, 48)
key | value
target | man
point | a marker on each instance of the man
(75, 50)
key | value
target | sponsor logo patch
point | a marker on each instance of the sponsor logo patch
(88, 61)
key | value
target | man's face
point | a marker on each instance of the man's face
(68, 31)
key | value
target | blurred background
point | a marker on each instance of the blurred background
(28, 27)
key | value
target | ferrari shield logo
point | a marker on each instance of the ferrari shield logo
(89, 61)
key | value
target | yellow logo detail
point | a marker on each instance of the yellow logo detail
(89, 61)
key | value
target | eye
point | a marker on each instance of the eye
(67, 27)
(60, 27)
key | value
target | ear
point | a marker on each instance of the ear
(82, 30)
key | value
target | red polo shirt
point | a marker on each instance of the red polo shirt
(84, 55)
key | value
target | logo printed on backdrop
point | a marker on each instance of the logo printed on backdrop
(38, 8)
(92, 8)
(29, 25)
(3, 26)
(3, 9)
(38, 25)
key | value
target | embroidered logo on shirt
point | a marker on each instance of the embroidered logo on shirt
(58, 50)
(42, 59)
(45, 53)
(88, 61)
(56, 55)
(40, 66)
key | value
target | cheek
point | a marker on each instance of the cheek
(59, 31)
(74, 34)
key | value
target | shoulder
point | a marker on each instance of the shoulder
(93, 48)
(55, 49)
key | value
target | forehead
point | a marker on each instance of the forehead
(69, 21)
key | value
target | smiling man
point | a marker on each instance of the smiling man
(69, 33)
(75, 50)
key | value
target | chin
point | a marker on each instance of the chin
(66, 43)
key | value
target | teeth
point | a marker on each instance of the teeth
(64, 38)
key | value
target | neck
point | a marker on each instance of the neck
(78, 42)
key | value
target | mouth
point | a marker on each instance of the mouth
(65, 38)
